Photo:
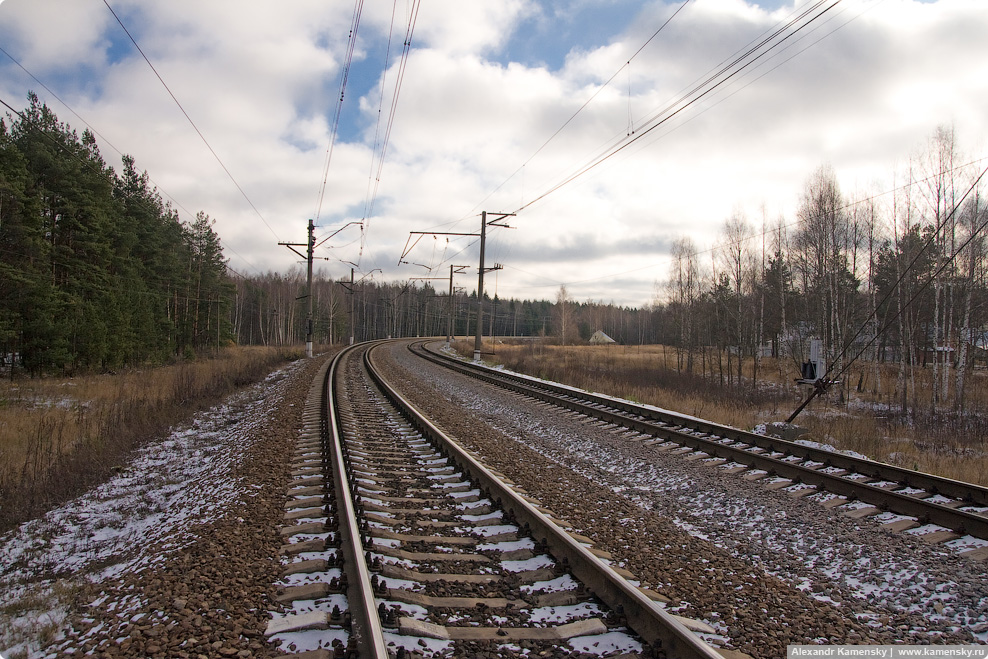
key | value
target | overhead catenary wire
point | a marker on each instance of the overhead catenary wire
(823, 380)
(380, 110)
(381, 155)
(191, 122)
(602, 87)
(746, 84)
(400, 77)
(754, 52)
(697, 93)
(754, 236)
(378, 142)
(358, 8)
(157, 187)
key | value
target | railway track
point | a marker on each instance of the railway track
(399, 543)
(900, 499)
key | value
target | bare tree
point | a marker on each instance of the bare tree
(868, 218)
(737, 261)
(564, 316)
(904, 250)
(826, 245)
(684, 296)
(975, 214)
(940, 186)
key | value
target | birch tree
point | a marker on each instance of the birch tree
(940, 196)
(826, 243)
(738, 264)
(684, 295)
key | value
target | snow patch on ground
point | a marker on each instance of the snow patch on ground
(614, 641)
(831, 449)
(849, 572)
(127, 522)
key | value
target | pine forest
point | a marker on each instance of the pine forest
(99, 273)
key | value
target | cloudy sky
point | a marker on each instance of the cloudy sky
(499, 104)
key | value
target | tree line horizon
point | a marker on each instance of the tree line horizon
(99, 273)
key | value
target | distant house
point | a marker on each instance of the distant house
(599, 338)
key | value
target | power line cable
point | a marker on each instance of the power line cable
(823, 381)
(614, 141)
(192, 123)
(399, 79)
(380, 107)
(568, 121)
(358, 8)
(617, 139)
(713, 81)
(157, 187)
(57, 98)
(58, 145)
(593, 96)
(620, 142)
(706, 109)
(697, 93)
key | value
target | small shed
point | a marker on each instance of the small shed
(599, 338)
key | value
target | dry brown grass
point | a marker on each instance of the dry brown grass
(58, 436)
(865, 420)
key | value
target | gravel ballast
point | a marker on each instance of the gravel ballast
(178, 555)
(183, 545)
(763, 568)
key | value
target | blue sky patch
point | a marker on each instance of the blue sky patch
(545, 39)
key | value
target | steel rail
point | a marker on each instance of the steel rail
(960, 521)
(644, 616)
(366, 623)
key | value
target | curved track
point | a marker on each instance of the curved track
(860, 487)
(398, 539)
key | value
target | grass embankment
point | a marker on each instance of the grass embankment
(61, 436)
(862, 418)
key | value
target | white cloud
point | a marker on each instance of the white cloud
(260, 81)
(460, 28)
(53, 34)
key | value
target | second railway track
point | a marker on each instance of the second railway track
(860, 487)
(402, 542)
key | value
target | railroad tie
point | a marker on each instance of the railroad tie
(589, 627)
